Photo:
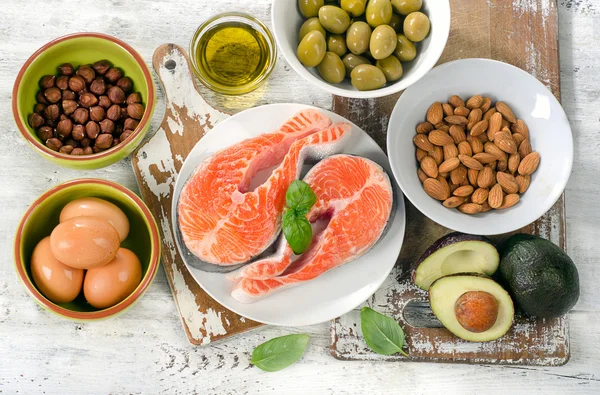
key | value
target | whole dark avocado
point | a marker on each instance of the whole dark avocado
(539, 275)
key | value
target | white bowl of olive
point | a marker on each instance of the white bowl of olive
(361, 48)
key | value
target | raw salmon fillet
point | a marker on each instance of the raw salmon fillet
(356, 196)
(225, 224)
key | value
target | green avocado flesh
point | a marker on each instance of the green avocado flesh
(539, 275)
(444, 293)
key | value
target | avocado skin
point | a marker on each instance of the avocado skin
(539, 275)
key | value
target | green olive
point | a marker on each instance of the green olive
(358, 37)
(312, 49)
(405, 49)
(416, 26)
(383, 42)
(378, 12)
(310, 25)
(336, 43)
(332, 68)
(366, 77)
(334, 19)
(354, 7)
(351, 61)
(405, 7)
(396, 23)
(310, 8)
(391, 67)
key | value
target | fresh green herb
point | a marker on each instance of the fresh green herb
(280, 352)
(382, 334)
(299, 199)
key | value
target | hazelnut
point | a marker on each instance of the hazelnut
(41, 98)
(71, 142)
(124, 114)
(118, 130)
(92, 129)
(88, 151)
(88, 99)
(66, 149)
(134, 98)
(36, 120)
(54, 144)
(98, 86)
(39, 108)
(130, 123)
(64, 128)
(104, 141)
(47, 81)
(62, 82)
(66, 69)
(52, 112)
(62, 117)
(114, 112)
(69, 106)
(104, 102)
(45, 133)
(116, 95)
(107, 126)
(86, 142)
(125, 84)
(135, 110)
(76, 84)
(78, 132)
(50, 123)
(68, 95)
(97, 113)
(77, 151)
(95, 149)
(80, 115)
(115, 141)
(101, 66)
(53, 94)
(126, 133)
(113, 75)
(87, 73)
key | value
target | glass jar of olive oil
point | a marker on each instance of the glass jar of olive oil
(233, 53)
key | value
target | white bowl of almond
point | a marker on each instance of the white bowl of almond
(480, 146)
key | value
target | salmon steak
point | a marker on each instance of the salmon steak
(221, 220)
(354, 204)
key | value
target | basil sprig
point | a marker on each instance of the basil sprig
(382, 334)
(299, 199)
(280, 352)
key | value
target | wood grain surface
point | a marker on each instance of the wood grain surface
(524, 34)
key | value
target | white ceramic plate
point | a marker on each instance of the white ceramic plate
(333, 293)
(530, 100)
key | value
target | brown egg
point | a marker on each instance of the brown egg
(84, 242)
(110, 284)
(55, 280)
(94, 207)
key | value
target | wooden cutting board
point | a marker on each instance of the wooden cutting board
(523, 33)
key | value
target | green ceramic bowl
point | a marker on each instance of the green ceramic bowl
(79, 49)
(41, 218)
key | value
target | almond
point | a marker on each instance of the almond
(485, 104)
(525, 148)
(444, 184)
(480, 195)
(459, 175)
(435, 189)
(456, 101)
(457, 133)
(476, 144)
(507, 182)
(488, 114)
(422, 176)
(462, 111)
(448, 109)
(506, 112)
(491, 148)
(437, 137)
(464, 148)
(438, 155)
(470, 208)
(456, 120)
(463, 191)
(450, 151)
(513, 162)
(523, 182)
(422, 142)
(485, 207)
(474, 117)
(442, 126)
(505, 124)
(496, 196)
(479, 128)
(473, 175)
(505, 144)
(424, 127)
(421, 154)
(483, 137)
(449, 165)
(502, 165)
(529, 164)
(453, 187)
(429, 166)
(509, 201)
(485, 178)
(521, 127)
(484, 158)
(435, 114)
(494, 126)
(474, 102)
(470, 162)
(494, 165)
(518, 138)
(453, 202)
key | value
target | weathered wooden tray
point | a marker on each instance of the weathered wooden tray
(523, 33)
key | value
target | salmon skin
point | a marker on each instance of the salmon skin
(221, 221)
(354, 200)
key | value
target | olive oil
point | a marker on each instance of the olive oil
(233, 55)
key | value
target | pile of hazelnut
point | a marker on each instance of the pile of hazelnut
(86, 111)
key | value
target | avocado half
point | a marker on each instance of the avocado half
(539, 275)
(455, 253)
(450, 301)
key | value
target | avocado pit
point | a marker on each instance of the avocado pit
(476, 311)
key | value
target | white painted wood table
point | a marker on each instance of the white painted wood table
(145, 350)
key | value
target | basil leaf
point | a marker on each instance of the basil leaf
(382, 334)
(279, 353)
(299, 195)
(297, 231)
